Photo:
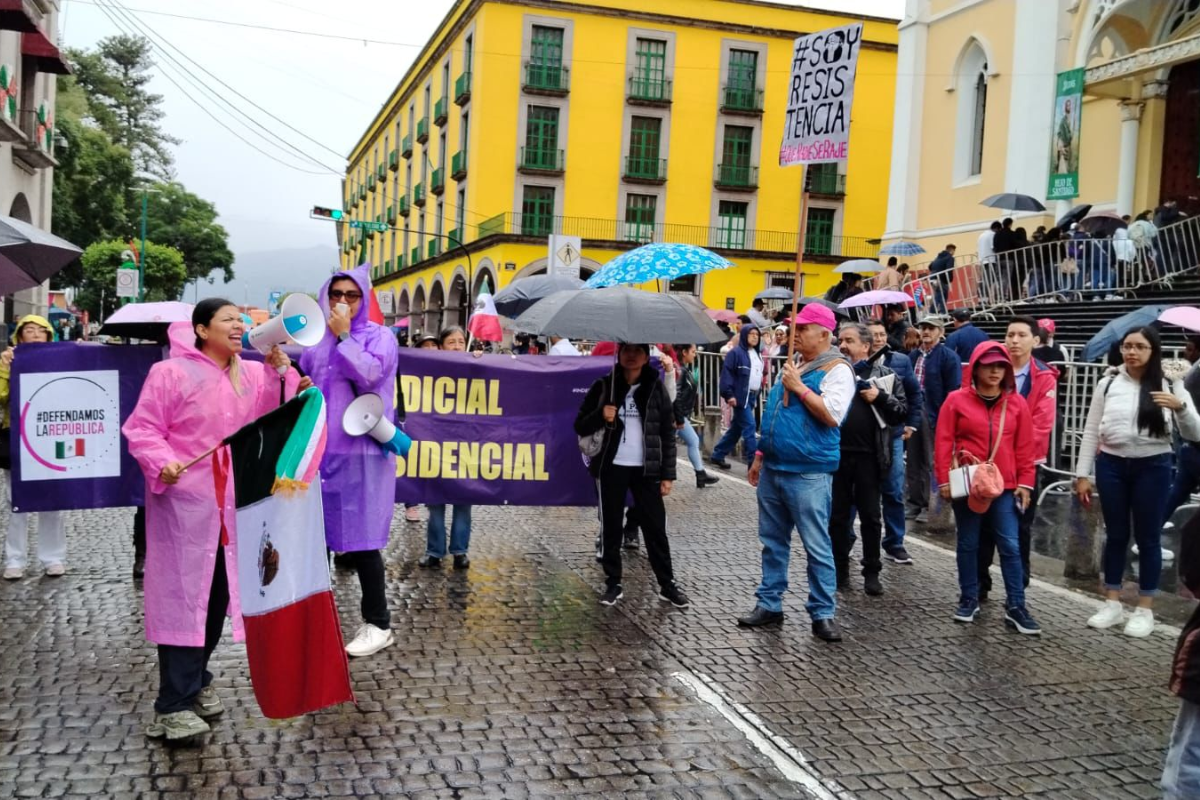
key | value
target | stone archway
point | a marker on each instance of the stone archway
(20, 209)
(416, 313)
(435, 308)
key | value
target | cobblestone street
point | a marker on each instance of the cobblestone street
(511, 681)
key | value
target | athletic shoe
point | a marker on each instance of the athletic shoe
(412, 514)
(1018, 617)
(1167, 555)
(177, 726)
(968, 607)
(370, 640)
(675, 596)
(208, 704)
(631, 539)
(14, 573)
(872, 586)
(1111, 613)
(599, 547)
(922, 516)
(611, 595)
(899, 556)
(1141, 623)
(55, 571)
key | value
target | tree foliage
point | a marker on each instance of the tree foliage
(178, 218)
(165, 274)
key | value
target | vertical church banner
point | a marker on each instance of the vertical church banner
(820, 96)
(1064, 147)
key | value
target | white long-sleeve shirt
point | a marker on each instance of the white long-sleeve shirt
(1112, 426)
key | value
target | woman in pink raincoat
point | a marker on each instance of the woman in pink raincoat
(189, 403)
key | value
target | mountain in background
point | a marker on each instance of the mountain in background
(259, 274)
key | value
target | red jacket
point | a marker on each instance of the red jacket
(965, 423)
(1042, 402)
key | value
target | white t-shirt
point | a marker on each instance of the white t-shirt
(563, 347)
(756, 371)
(986, 250)
(630, 449)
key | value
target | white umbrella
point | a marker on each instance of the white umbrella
(859, 266)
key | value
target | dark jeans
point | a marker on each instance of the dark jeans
(920, 464)
(139, 532)
(614, 482)
(1133, 495)
(369, 566)
(183, 671)
(856, 485)
(742, 426)
(987, 543)
(1001, 516)
(1187, 479)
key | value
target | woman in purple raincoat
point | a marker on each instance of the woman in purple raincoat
(358, 477)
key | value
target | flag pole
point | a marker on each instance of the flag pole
(798, 280)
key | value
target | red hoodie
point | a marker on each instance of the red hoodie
(966, 423)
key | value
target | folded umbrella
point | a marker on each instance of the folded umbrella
(1098, 346)
(659, 261)
(30, 256)
(1009, 201)
(877, 297)
(521, 294)
(621, 314)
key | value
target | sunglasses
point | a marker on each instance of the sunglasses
(338, 294)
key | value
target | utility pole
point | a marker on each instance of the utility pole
(142, 251)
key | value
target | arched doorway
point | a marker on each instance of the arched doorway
(435, 306)
(457, 299)
(416, 314)
(1181, 140)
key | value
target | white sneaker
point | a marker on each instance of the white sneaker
(1141, 623)
(369, 640)
(1167, 555)
(412, 514)
(1111, 613)
(55, 570)
(14, 574)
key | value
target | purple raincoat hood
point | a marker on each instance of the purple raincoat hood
(360, 275)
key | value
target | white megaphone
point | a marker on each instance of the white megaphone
(365, 416)
(299, 322)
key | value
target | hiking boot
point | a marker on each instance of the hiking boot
(208, 704)
(611, 595)
(1018, 617)
(674, 595)
(370, 640)
(177, 726)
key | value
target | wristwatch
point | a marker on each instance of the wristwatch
(343, 337)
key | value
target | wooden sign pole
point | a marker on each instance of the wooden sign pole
(798, 282)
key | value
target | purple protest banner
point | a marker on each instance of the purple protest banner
(67, 401)
(494, 430)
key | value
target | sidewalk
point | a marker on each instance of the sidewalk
(511, 681)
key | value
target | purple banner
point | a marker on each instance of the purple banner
(67, 402)
(494, 430)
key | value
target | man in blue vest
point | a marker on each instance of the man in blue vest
(793, 471)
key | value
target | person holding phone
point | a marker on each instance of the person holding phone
(1127, 444)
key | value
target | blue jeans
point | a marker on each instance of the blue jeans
(1002, 517)
(1187, 479)
(692, 439)
(1133, 490)
(1181, 772)
(460, 531)
(742, 425)
(893, 500)
(788, 500)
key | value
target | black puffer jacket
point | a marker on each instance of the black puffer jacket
(658, 421)
(685, 393)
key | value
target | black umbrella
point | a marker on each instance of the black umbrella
(774, 293)
(1074, 215)
(516, 298)
(621, 314)
(29, 256)
(1014, 202)
(1103, 225)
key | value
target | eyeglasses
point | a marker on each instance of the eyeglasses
(1134, 348)
(338, 294)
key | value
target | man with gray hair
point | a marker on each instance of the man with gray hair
(866, 457)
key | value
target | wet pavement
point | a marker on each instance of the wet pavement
(509, 680)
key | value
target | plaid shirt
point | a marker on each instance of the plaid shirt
(919, 367)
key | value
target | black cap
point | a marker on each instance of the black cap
(961, 314)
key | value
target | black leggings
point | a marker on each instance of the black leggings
(615, 481)
(369, 566)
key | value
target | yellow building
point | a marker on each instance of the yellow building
(617, 121)
(975, 103)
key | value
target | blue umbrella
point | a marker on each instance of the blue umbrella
(660, 261)
(1098, 346)
(901, 248)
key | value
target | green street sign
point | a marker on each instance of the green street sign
(378, 227)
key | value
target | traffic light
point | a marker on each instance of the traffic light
(334, 214)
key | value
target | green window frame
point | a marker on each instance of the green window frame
(545, 56)
(731, 224)
(537, 211)
(640, 217)
(541, 137)
(737, 147)
(743, 70)
(818, 237)
(651, 70)
(645, 140)
(822, 178)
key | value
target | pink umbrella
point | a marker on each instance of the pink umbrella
(721, 315)
(877, 297)
(1183, 316)
(145, 320)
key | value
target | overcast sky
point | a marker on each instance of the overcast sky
(328, 89)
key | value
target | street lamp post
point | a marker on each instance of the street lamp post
(142, 251)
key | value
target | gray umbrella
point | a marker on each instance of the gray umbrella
(621, 314)
(520, 295)
(29, 256)
(774, 293)
(1010, 201)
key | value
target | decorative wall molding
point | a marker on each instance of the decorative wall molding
(1164, 55)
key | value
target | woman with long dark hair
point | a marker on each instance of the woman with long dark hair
(1129, 424)
(189, 403)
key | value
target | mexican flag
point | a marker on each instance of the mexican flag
(293, 638)
(485, 322)
(71, 448)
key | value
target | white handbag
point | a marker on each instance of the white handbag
(960, 481)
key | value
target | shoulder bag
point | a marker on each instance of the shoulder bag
(979, 482)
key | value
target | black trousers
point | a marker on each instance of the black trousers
(183, 671)
(856, 485)
(139, 532)
(987, 544)
(614, 482)
(371, 579)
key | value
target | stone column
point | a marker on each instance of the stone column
(1131, 115)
